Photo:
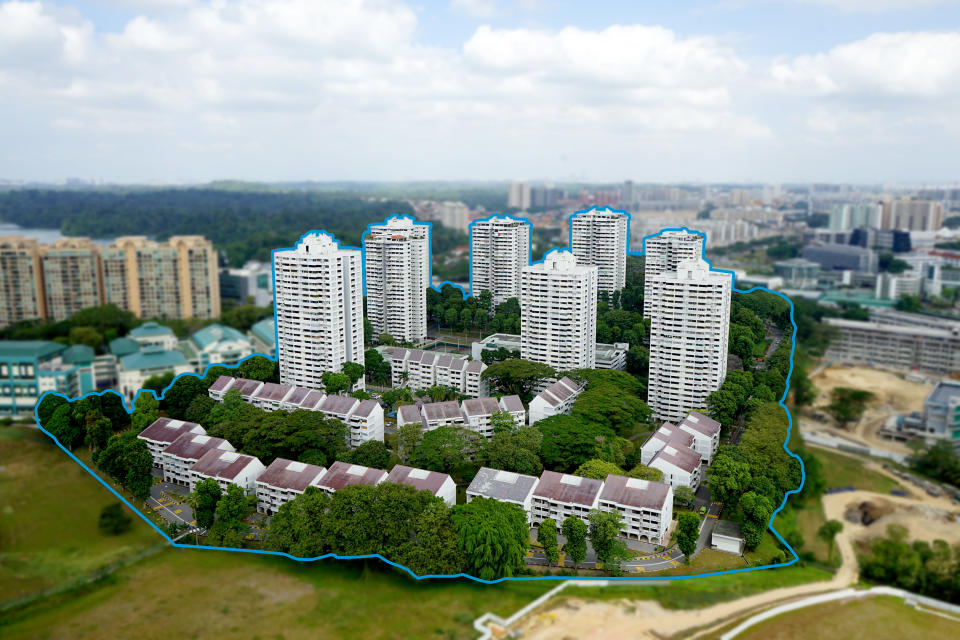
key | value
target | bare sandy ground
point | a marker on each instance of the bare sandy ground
(579, 619)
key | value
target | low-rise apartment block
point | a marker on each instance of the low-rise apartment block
(878, 344)
(705, 432)
(283, 481)
(478, 411)
(504, 486)
(439, 484)
(680, 466)
(667, 434)
(556, 399)
(608, 356)
(227, 467)
(420, 369)
(164, 432)
(646, 507)
(179, 456)
(343, 474)
(559, 495)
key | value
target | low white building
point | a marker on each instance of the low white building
(180, 456)
(283, 481)
(163, 432)
(504, 486)
(680, 466)
(439, 484)
(727, 537)
(227, 467)
(151, 334)
(646, 507)
(609, 356)
(270, 395)
(136, 368)
(216, 344)
(705, 432)
(558, 495)
(478, 411)
(343, 474)
(220, 387)
(441, 414)
(419, 369)
(409, 414)
(556, 399)
(667, 434)
(366, 423)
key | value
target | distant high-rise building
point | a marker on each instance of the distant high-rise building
(253, 280)
(689, 321)
(397, 255)
(558, 312)
(72, 276)
(518, 196)
(545, 196)
(599, 237)
(499, 249)
(453, 215)
(664, 251)
(21, 280)
(912, 215)
(319, 309)
(845, 217)
(199, 276)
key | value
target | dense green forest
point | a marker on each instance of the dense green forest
(244, 225)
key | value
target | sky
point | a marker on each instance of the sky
(124, 91)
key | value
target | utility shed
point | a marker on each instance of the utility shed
(727, 538)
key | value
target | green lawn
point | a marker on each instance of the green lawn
(878, 617)
(845, 471)
(49, 508)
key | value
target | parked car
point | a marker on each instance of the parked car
(703, 511)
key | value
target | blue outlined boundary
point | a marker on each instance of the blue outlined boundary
(781, 402)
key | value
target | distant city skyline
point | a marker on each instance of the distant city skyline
(189, 91)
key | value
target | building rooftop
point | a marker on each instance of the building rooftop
(273, 391)
(408, 413)
(701, 424)
(298, 395)
(671, 434)
(512, 403)
(246, 388)
(78, 354)
(39, 349)
(123, 346)
(216, 333)
(265, 330)
(288, 474)
(944, 392)
(728, 529)
(312, 399)
(557, 393)
(419, 479)
(221, 464)
(449, 410)
(927, 332)
(152, 359)
(562, 487)
(192, 447)
(680, 457)
(150, 329)
(365, 408)
(480, 406)
(339, 405)
(343, 474)
(222, 383)
(502, 485)
(633, 492)
(168, 430)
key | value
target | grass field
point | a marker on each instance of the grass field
(878, 617)
(49, 509)
(807, 521)
(845, 471)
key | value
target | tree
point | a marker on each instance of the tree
(722, 406)
(377, 369)
(146, 411)
(48, 405)
(139, 468)
(184, 390)
(203, 500)
(158, 383)
(597, 469)
(493, 537)
(199, 409)
(335, 383)
(369, 454)
(547, 537)
(446, 448)
(683, 498)
(502, 421)
(386, 339)
(827, 532)
(575, 531)
(847, 405)
(612, 406)
(114, 519)
(232, 507)
(258, 368)
(757, 510)
(605, 528)
(517, 450)
(408, 437)
(727, 478)
(353, 371)
(434, 549)
(298, 526)
(85, 335)
(688, 530)
(643, 472)
(569, 441)
(64, 428)
(517, 376)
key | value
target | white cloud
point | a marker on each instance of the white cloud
(475, 8)
(877, 6)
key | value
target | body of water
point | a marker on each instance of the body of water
(46, 236)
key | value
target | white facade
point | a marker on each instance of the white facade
(599, 237)
(558, 312)
(227, 467)
(645, 506)
(319, 309)
(559, 495)
(179, 457)
(690, 321)
(420, 369)
(705, 432)
(397, 268)
(667, 434)
(664, 251)
(283, 481)
(556, 399)
(478, 411)
(680, 466)
(518, 196)
(499, 249)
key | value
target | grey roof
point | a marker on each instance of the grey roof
(728, 529)
(289, 474)
(419, 479)
(559, 391)
(442, 411)
(221, 383)
(512, 403)
(273, 391)
(643, 494)
(217, 463)
(475, 366)
(312, 399)
(298, 395)
(480, 406)
(246, 387)
(681, 457)
(671, 434)
(444, 361)
(428, 358)
(409, 413)
(562, 487)
(415, 355)
(340, 405)
(458, 364)
(343, 474)
(701, 423)
(192, 447)
(168, 430)
(365, 408)
(502, 485)
(944, 391)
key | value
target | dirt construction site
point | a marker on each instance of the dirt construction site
(892, 394)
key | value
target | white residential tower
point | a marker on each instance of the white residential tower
(599, 237)
(499, 249)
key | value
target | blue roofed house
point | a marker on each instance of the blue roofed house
(135, 368)
(264, 337)
(216, 344)
(151, 334)
(28, 368)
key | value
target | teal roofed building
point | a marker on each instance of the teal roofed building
(29, 368)
(216, 344)
(153, 334)
(135, 368)
(123, 347)
(264, 337)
